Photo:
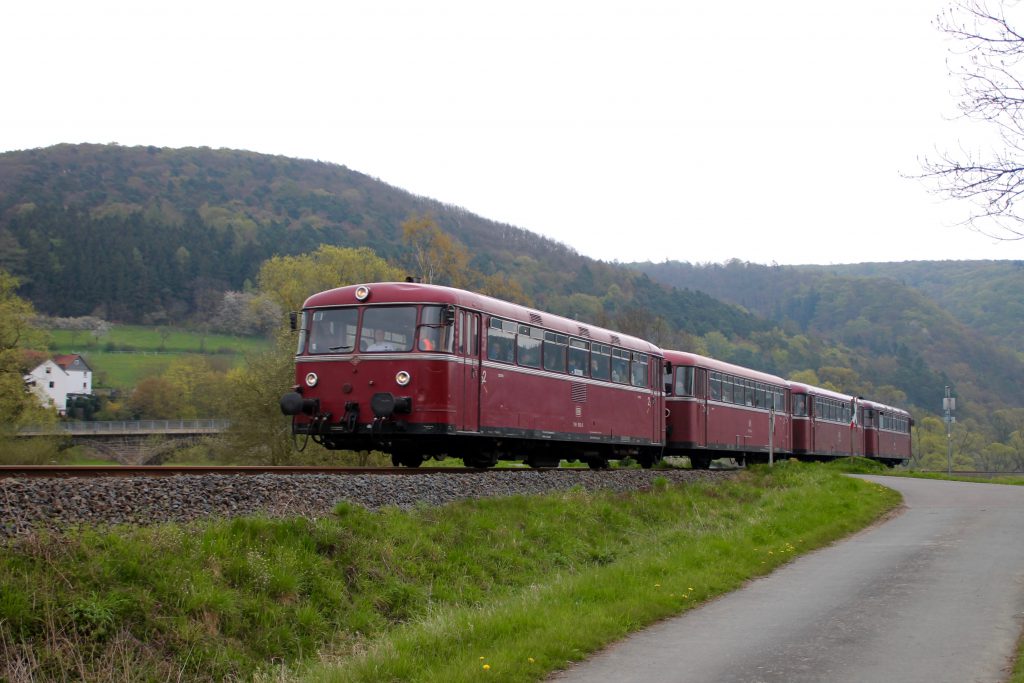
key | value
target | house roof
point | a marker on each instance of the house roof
(67, 360)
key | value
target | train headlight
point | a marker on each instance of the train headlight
(311, 379)
(402, 378)
(362, 293)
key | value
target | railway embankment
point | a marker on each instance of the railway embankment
(422, 579)
(57, 503)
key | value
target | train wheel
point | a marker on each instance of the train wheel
(598, 463)
(700, 463)
(481, 460)
(541, 461)
(646, 461)
(407, 459)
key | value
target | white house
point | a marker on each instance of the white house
(54, 380)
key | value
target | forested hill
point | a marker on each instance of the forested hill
(965, 319)
(147, 234)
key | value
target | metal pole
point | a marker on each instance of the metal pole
(771, 437)
(948, 406)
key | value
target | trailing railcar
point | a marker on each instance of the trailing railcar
(886, 432)
(826, 424)
(420, 370)
(716, 410)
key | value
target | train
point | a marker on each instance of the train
(422, 371)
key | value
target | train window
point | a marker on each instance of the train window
(727, 388)
(554, 351)
(748, 392)
(333, 330)
(303, 329)
(501, 341)
(716, 386)
(462, 333)
(388, 328)
(578, 352)
(600, 361)
(638, 370)
(800, 405)
(684, 382)
(761, 396)
(474, 334)
(431, 326)
(620, 365)
(528, 346)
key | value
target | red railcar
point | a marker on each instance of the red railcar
(886, 432)
(716, 410)
(417, 370)
(826, 424)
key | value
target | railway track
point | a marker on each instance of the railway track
(91, 471)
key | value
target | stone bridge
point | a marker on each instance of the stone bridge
(132, 442)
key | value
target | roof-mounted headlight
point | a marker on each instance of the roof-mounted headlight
(362, 293)
(402, 378)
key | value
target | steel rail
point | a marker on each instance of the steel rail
(12, 471)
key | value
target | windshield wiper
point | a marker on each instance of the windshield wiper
(340, 348)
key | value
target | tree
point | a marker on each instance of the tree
(988, 62)
(19, 407)
(290, 280)
(436, 256)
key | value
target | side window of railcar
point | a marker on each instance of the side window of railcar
(728, 388)
(501, 336)
(600, 361)
(620, 365)
(684, 382)
(748, 392)
(579, 350)
(303, 331)
(716, 386)
(555, 351)
(800, 405)
(528, 344)
(638, 370)
(333, 330)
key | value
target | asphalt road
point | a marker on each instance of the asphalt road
(934, 594)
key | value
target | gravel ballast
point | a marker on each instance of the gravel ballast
(55, 503)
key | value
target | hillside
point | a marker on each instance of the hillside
(145, 234)
(875, 309)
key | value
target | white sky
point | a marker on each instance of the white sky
(633, 130)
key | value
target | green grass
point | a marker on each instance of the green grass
(1010, 480)
(129, 353)
(143, 338)
(526, 583)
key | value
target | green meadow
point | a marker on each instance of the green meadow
(508, 588)
(127, 353)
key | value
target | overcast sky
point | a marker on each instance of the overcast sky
(634, 130)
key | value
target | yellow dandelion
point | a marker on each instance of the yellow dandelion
(487, 667)
(530, 660)
(657, 585)
(481, 659)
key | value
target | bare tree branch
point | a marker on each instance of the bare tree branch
(987, 61)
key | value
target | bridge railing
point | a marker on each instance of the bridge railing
(130, 427)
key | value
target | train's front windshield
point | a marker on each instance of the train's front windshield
(333, 330)
(388, 328)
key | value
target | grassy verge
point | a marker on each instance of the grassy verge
(525, 583)
(1010, 480)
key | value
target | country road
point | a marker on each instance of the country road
(933, 594)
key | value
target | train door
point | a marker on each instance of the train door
(469, 358)
(856, 430)
(700, 393)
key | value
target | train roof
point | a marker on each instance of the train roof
(799, 388)
(881, 407)
(420, 293)
(686, 358)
